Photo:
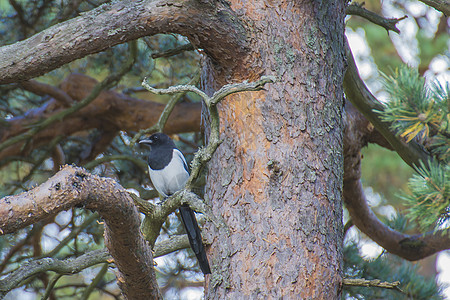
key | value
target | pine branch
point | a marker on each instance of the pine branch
(360, 96)
(410, 247)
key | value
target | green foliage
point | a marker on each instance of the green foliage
(430, 193)
(389, 268)
(418, 111)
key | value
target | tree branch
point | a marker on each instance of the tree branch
(110, 109)
(410, 247)
(68, 266)
(41, 89)
(106, 83)
(359, 95)
(76, 265)
(73, 187)
(371, 283)
(212, 27)
(441, 5)
(356, 9)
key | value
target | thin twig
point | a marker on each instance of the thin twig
(73, 233)
(50, 286)
(87, 292)
(356, 9)
(75, 265)
(371, 283)
(165, 114)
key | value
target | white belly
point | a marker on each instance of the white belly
(170, 179)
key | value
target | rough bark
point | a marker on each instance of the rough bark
(208, 25)
(111, 111)
(277, 177)
(74, 186)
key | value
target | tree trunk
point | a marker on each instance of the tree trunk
(277, 177)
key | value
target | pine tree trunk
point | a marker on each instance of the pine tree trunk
(277, 178)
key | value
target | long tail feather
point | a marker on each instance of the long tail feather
(195, 238)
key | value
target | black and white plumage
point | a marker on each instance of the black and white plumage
(169, 172)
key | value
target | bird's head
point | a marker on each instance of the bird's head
(157, 140)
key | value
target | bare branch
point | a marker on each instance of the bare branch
(240, 87)
(174, 51)
(371, 283)
(441, 5)
(73, 187)
(176, 242)
(68, 266)
(175, 89)
(220, 34)
(356, 9)
(41, 89)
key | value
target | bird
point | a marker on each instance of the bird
(169, 173)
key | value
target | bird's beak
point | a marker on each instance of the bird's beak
(148, 142)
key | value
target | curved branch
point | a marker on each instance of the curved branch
(74, 186)
(41, 89)
(441, 5)
(360, 96)
(410, 247)
(212, 27)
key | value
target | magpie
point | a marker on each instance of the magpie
(169, 172)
